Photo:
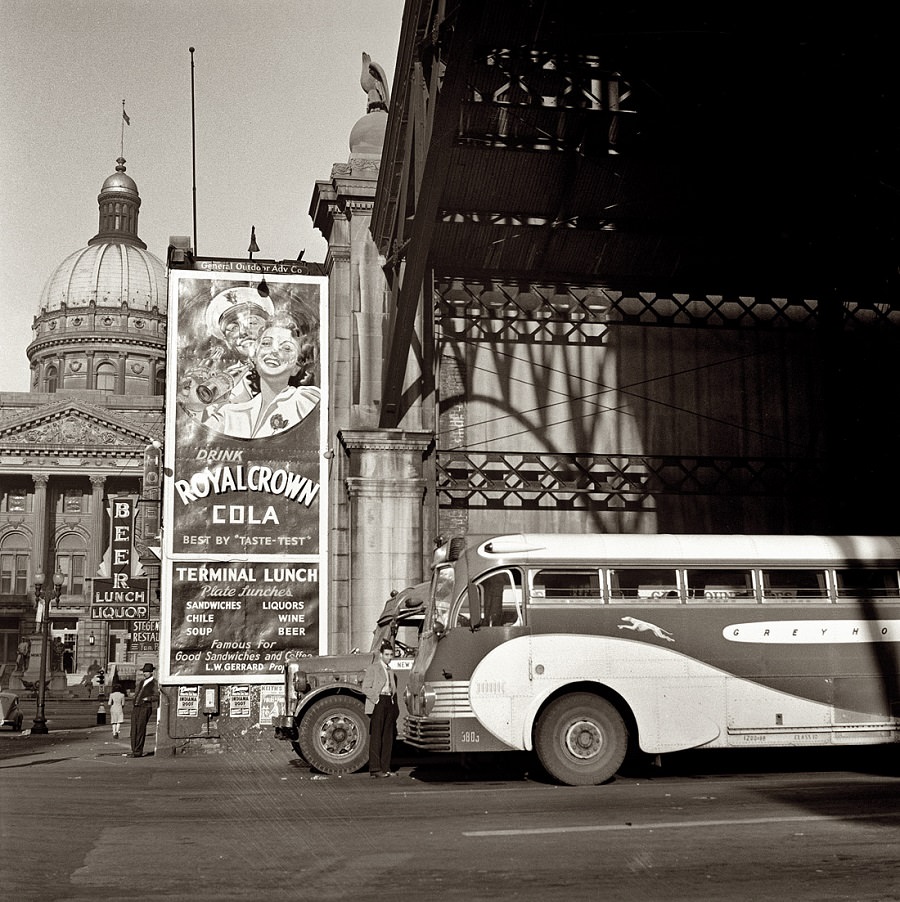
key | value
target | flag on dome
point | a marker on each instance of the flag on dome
(125, 115)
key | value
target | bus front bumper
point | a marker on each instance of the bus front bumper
(431, 734)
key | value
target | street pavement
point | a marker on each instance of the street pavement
(83, 822)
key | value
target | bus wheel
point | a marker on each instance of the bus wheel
(334, 735)
(581, 739)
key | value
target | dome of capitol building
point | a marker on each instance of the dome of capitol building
(101, 318)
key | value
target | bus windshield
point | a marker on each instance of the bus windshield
(444, 580)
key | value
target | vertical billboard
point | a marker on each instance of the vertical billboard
(244, 537)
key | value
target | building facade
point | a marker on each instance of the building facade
(78, 437)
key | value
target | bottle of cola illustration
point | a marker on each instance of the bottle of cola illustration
(218, 386)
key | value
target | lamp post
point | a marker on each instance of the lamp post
(40, 722)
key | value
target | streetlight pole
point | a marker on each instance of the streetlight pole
(40, 721)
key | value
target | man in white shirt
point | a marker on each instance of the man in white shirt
(380, 688)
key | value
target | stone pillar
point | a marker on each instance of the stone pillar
(39, 558)
(386, 489)
(38, 565)
(97, 515)
(120, 373)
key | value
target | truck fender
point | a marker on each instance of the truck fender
(321, 692)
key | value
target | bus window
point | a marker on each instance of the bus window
(720, 585)
(500, 595)
(873, 583)
(566, 586)
(796, 585)
(463, 616)
(644, 583)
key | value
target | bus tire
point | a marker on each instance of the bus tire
(334, 735)
(581, 739)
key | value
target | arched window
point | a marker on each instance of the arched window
(70, 561)
(52, 379)
(15, 555)
(106, 378)
(160, 387)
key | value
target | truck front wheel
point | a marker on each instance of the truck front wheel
(334, 735)
(295, 745)
(581, 739)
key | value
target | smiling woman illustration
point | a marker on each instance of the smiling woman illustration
(282, 364)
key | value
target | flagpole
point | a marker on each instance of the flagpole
(122, 141)
(194, 150)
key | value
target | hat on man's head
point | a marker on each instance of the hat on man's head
(234, 303)
(147, 668)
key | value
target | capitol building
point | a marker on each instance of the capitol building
(79, 436)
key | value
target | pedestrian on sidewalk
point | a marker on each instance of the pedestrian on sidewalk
(146, 695)
(116, 709)
(380, 688)
(23, 653)
(92, 671)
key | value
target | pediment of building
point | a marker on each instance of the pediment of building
(70, 425)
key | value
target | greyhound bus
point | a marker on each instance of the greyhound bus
(576, 646)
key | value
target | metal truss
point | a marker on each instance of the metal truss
(623, 482)
(538, 99)
(565, 314)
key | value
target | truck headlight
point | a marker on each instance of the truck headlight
(301, 682)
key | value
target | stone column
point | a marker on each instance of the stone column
(386, 489)
(38, 565)
(97, 515)
(39, 560)
(120, 374)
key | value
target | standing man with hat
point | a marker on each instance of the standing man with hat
(147, 693)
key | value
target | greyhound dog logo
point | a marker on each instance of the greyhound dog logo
(641, 626)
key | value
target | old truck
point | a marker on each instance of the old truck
(327, 725)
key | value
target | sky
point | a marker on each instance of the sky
(276, 93)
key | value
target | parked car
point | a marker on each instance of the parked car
(10, 713)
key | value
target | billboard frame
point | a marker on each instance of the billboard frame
(242, 448)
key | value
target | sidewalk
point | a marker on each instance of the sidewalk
(61, 714)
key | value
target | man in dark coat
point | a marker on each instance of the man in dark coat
(147, 693)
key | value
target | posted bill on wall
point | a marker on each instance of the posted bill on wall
(239, 621)
(248, 407)
(244, 546)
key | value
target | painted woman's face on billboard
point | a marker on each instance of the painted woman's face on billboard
(277, 353)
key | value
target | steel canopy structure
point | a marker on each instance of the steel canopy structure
(633, 162)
